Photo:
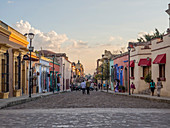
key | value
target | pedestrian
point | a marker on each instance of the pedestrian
(88, 86)
(159, 86)
(99, 86)
(58, 87)
(83, 86)
(117, 86)
(132, 87)
(92, 85)
(152, 87)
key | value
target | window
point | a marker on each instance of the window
(145, 71)
(132, 71)
(162, 70)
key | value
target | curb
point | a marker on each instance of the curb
(142, 97)
(21, 101)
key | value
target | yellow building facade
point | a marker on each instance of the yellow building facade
(13, 69)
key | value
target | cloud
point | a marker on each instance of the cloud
(116, 38)
(49, 40)
(10, 2)
(142, 33)
(75, 49)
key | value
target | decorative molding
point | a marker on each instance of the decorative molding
(160, 48)
(4, 31)
(141, 54)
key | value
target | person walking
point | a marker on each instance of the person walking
(159, 86)
(117, 86)
(83, 86)
(58, 87)
(152, 87)
(132, 87)
(88, 86)
(99, 86)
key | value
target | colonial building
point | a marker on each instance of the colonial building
(65, 67)
(120, 69)
(140, 65)
(160, 53)
(13, 46)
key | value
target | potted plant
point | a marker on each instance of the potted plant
(148, 77)
(120, 88)
(123, 88)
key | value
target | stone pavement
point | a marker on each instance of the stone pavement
(22, 99)
(85, 117)
(142, 96)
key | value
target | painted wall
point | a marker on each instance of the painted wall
(137, 54)
(111, 82)
(44, 68)
(56, 71)
(121, 61)
(161, 48)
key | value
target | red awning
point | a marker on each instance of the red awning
(132, 63)
(160, 59)
(144, 62)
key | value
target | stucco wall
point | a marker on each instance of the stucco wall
(162, 48)
(120, 62)
(139, 53)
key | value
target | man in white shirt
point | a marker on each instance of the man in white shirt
(83, 86)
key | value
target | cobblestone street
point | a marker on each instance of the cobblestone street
(94, 100)
(97, 110)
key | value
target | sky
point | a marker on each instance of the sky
(83, 29)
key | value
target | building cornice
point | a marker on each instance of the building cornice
(17, 37)
(4, 31)
(140, 54)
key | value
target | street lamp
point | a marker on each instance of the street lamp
(129, 48)
(112, 76)
(63, 76)
(30, 36)
(107, 76)
(53, 72)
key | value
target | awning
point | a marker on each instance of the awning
(115, 65)
(132, 63)
(144, 62)
(120, 67)
(160, 59)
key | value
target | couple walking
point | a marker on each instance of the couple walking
(84, 86)
(153, 86)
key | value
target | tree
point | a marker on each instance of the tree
(148, 37)
(148, 78)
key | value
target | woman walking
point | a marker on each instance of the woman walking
(159, 86)
(152, 87)
(133, 87)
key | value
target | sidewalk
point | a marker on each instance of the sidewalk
(148, 97)
(22, 99)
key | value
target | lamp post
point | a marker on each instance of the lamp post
(107, 76)
(63, 76)
(112, 76)
(129, 48)
(53, 72)
(30, 36)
